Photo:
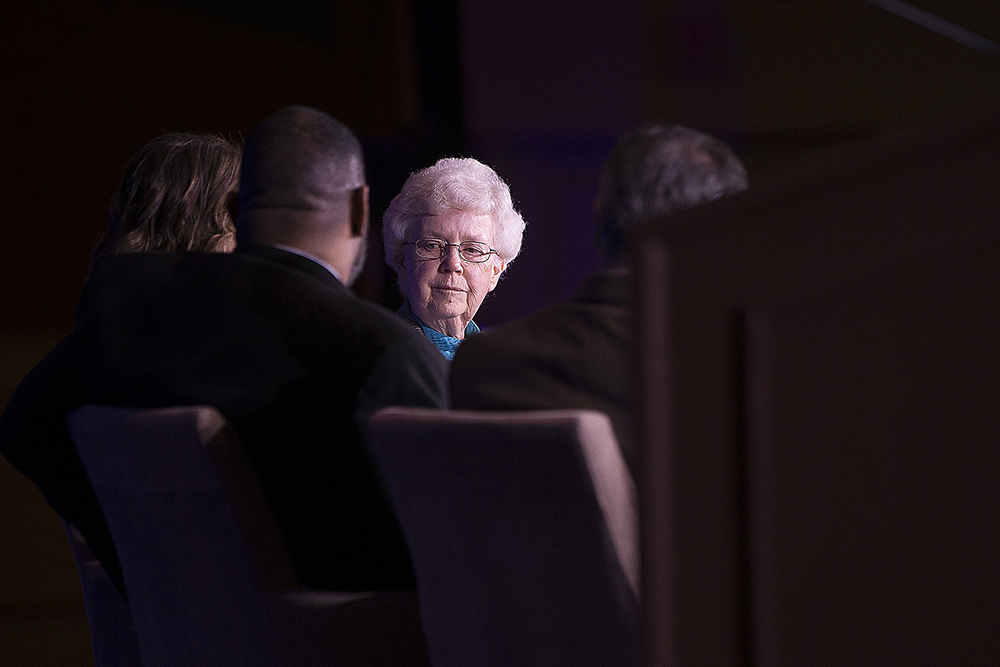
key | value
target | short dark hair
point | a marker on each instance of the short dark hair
(656, 170)
(175, 195)
(299, 158)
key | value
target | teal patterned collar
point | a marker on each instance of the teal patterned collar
(444, 343)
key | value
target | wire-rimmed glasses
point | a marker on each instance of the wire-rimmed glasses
(474, 252)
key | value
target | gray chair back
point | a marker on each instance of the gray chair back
(194, 598)
(112, 632)
(522, 527)
(209, 581)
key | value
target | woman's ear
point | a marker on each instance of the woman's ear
(498, 269)
(399, 264)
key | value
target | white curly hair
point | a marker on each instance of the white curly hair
(464, 184)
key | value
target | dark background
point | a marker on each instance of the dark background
(537, 90)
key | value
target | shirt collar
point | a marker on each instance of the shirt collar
(445, 344)
(308, 255)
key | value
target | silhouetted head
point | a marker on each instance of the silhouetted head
(656, 170)
(303, 185)
(175, 195)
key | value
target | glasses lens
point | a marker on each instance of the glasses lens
(470, 251)
(429, 248)
(473, 251)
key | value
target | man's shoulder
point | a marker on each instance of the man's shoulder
(594, 320)
(541, 327)
(321, 301)
(319, 297)
(516, 331)
(225, 288)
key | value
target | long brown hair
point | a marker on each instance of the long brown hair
(175, 195)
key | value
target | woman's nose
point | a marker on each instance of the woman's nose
(452, 259)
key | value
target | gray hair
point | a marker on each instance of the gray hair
(656, 170)
(464, 184)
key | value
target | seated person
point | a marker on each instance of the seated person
(450, 234)
(270, 335)
(578, 354)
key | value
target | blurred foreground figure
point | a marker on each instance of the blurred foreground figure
(578, 354)
(270, 335)
(177, 193)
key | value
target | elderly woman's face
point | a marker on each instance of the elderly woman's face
(445, 293)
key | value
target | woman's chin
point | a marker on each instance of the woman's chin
(446, 320)
(445, 309)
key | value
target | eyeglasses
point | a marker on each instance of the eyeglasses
(473, 252)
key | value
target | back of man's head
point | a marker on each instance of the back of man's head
(299, 165)
(658, 170)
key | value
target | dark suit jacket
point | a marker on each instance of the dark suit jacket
(572, 355)
(289, 355)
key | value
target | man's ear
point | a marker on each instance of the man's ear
(359, 211)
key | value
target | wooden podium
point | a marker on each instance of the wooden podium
(819, 373)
